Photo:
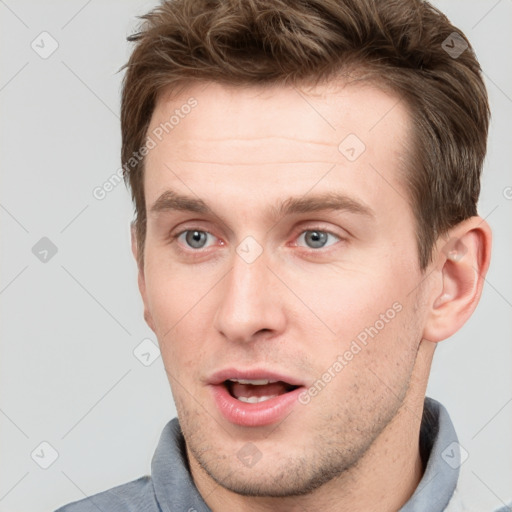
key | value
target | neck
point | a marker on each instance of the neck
(383, 479)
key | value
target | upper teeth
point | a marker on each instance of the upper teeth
(255, 399)
(258, 382)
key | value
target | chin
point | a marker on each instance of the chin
(278, 478)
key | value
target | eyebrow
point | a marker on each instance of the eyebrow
(172, 201)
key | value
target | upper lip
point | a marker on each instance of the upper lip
(252, 374)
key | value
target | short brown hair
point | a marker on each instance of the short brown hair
(403, 45)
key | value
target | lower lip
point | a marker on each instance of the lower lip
(254, 415)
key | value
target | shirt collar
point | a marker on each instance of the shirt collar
(440, 451)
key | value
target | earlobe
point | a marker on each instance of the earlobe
(462, 259)
(140, 276)
(135, 247)
(133, 239)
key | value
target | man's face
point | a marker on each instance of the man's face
(252, 279)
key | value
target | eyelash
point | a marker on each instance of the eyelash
(174, 237)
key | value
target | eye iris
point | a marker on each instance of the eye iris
(316, 238)
(196, 239)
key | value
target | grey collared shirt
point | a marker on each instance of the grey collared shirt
(170, 487)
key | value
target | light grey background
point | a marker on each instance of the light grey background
(68, 374)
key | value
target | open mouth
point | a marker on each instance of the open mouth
(254, 397)
(258, 390)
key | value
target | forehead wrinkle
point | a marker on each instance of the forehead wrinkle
(256, 151)
(252, 139)
(259, 163)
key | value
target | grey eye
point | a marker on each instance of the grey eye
(195, 239)
(315, 239)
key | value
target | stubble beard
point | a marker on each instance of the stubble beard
(338, 447)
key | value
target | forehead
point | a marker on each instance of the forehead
(277, 140)
(328, 109)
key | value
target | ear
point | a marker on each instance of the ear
(140, 276)
(462, 258)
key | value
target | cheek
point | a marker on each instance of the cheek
(177, 302)
(171, 291)
(348, 302)
(364, 321)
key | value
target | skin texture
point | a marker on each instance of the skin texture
(297, 307)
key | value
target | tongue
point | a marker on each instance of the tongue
(248, 390)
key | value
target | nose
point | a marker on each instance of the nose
(250, 303)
